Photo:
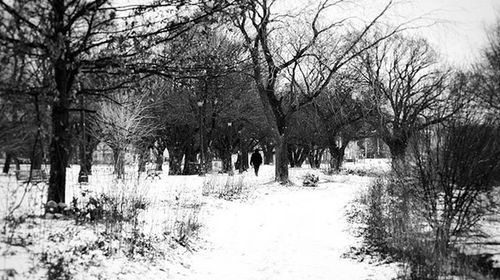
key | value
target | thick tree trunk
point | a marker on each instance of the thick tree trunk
(59, 152)
(336, 156)
(175, 155)
(398, 153)
(281, 170)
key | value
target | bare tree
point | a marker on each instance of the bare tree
(409, 89)
(487, 74)
(271, 54)
(122, 125)
(342, 109)
(69, 34)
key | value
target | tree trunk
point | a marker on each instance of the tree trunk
(208, 160)
(175, 155)
(245, 162)
(159, 158)
(398, 153)
(190, 161)
(281, 170)
(336, 156)
(37, 158)
(268, 155)
(297, 155)
(59, 149)
(143, 159)
(85, 155)
(6, 165)
(315, 156)
(119, 165)
(227, 163)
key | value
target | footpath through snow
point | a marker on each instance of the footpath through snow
(283, 233)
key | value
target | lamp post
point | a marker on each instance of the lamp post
(229, 125)
(83, 174)
(200, 106)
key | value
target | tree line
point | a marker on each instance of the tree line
(208, 79)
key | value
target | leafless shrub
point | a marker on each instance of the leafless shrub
(421, 214)
(232, 188)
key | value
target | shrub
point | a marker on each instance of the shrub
(232, 188)
(418, 215)
(310, 180)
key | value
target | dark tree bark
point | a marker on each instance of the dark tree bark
(227, 163)
(268, 154)
(37, 157)
(6, 165)
(336, 157)
(159, 157)
(297, 155)
(85, 155)
(398, 147)
(245, 161)
(59, 146)
(64, 75)
(190, 160)
(281, 171)
(142, 160)
(119, 162)
(315, 156)
(175, 155)
(337, 153)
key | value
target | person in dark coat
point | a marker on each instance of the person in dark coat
(256, 161)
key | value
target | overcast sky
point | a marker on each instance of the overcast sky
(460, 26)
(463, 28)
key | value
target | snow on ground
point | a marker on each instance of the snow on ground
(283, 233)
(273, 232)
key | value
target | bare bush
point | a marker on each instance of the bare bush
(232, 188)
(419, 216)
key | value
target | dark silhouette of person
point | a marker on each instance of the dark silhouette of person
(256, 161)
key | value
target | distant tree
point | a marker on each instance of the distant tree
(409, 89)
(342, 109)
(122, 125)
(487, 75)
(265, 34)
(70, 33)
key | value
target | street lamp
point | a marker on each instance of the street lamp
(229, 125)
(202, 163)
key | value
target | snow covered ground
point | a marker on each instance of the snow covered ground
(284, 233)
(270, 232)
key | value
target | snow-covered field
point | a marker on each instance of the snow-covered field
(269, 232)
(284, 233)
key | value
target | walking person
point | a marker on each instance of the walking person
(256, 161)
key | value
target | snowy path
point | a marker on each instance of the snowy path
(291, 234)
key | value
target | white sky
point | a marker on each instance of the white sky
(458, 35)
(462, 30)
(460, 26)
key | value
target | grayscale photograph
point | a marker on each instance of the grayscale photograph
(250, 139)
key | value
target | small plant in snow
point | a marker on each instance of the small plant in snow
(310, 180)
(231, 189)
